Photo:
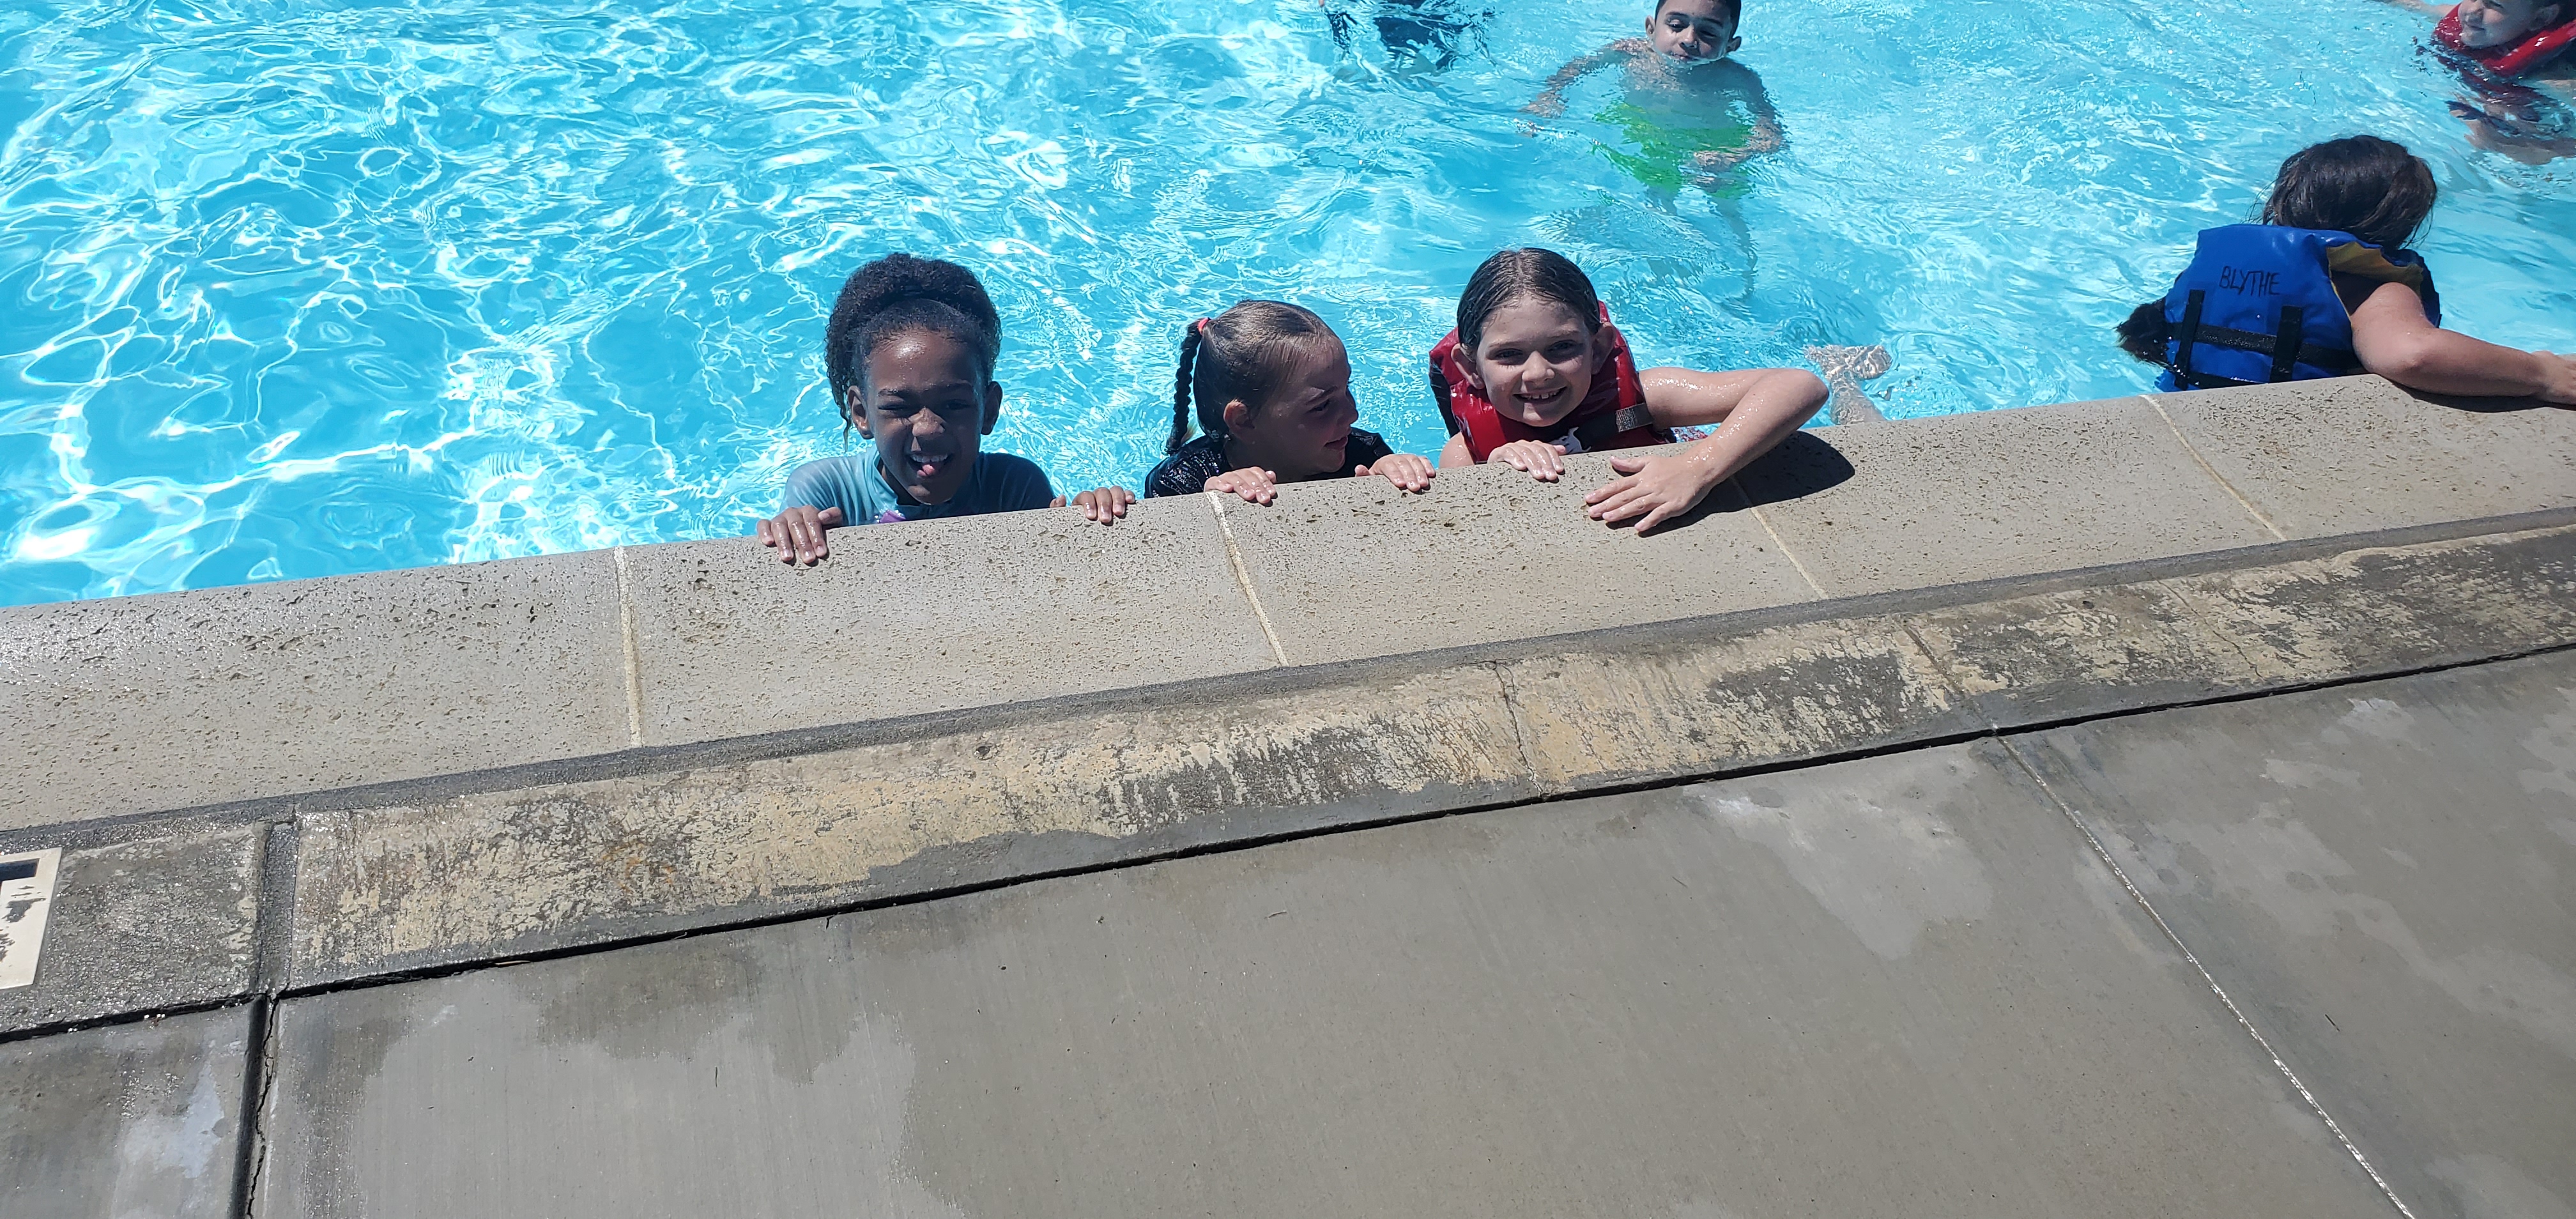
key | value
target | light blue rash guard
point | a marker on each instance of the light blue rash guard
(853, 483)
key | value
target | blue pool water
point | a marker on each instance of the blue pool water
(296, 289)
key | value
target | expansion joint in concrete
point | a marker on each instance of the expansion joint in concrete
(273, 922)
(1243, 577)
(2103, 853)
(250, 1133)
(632, 665)
(1777, 540)
(2211, 470)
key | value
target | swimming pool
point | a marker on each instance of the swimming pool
(303, 289)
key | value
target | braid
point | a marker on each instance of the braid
(1190, 342)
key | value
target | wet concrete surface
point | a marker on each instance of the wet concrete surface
(145, 922)
(1952, 499)
(924, 617)
(135, 1119)
(1513, 558)
(2385, 876)
(2317, 458)
(1904, 985)
(139, 704)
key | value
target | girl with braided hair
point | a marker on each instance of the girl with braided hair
(910, 352)
(1271, 385)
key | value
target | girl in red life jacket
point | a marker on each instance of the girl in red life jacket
(1535, 370)
(2508, 50)
(1272, 388)
(2374, 191)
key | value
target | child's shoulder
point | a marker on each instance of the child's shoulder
(830, 474)
(1012, 476)
(1184, 472)
(1007, 465)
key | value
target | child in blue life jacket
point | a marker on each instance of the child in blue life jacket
(1689, 112)
(2508, 51)
(2324, 286)
(1271, 385)
(1535, 370)
(909, 353)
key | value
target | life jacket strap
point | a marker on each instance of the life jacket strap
(1598, 431)
(2316, 355)
(2187, 335)
(2285, 342)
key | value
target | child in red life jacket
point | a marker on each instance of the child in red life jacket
(2510, 49)
(1535, 370)
(1272, 387)
(2323, 286)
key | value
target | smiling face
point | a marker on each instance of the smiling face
(1302, 429)
(2496, 23)
(925, 402)
(1695, 31)
(1535, 359)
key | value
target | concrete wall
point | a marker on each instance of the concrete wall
(268, 796)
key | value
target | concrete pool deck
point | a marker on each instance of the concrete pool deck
(1897, 721)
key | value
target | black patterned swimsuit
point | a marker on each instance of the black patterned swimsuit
(1187, 472)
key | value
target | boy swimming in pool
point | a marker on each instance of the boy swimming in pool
(1691, 112)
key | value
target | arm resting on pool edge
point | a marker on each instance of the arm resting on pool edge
(1754, 410)
(2395, 340)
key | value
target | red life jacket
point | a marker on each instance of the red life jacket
(2514, 60)
(1613, 414)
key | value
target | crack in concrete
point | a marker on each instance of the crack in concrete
(1520, 733)
(251, 1159)
(634, 665)
(2210, 980)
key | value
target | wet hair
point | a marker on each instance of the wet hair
(1515, 274)
(901, 294)
(1240, 355)
(2363, 185)
(1732, 10)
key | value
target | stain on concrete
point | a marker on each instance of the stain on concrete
(2490, 1187)
(1888, 866)
(2309, 775)
(2403, 940)
(580, 862)
(131, 1120)
(2371, 610)
(571, 1087)
(2277, 863)
(1515, 1012)
(1773, 695)
(2553, 742)
(151, 922)
(2379, 718)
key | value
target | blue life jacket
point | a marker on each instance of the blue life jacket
(2258, 304)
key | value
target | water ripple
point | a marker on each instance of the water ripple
(294, 289)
